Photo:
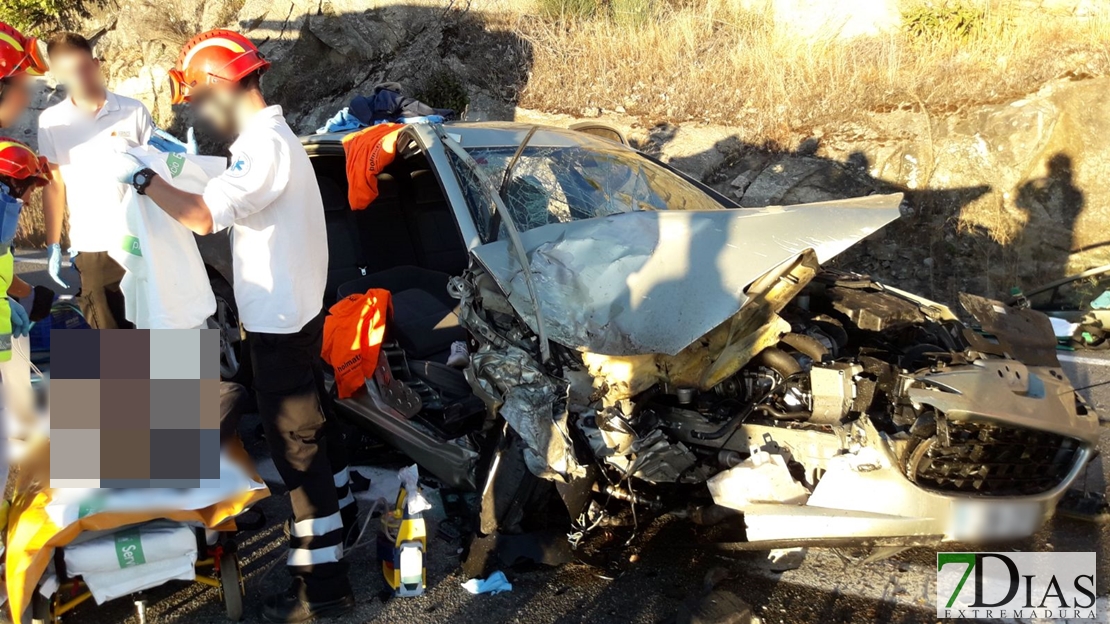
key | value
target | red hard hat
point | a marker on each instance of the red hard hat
(213, 58)
(19, 162)
(19, 54)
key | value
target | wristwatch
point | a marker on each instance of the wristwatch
(142, 179)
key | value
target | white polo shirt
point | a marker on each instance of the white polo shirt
(63, 128)
(270, 199)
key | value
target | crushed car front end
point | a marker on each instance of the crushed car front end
(662, 355)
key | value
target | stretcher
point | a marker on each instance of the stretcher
(46, 527)
(43, 527)
(218, 567)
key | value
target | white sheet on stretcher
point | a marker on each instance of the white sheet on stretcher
(133, 559)
(70, 504)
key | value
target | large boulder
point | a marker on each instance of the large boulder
(1001, 195)
(323, 54)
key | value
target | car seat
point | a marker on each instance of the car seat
(425, 322)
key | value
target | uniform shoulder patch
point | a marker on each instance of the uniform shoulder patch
(240, 166)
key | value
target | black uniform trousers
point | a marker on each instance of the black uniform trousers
(309, 453)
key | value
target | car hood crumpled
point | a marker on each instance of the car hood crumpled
(655, 281)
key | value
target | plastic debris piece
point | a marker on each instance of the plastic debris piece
(414, 500)
(493, 584)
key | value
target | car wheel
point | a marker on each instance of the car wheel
(234, 354)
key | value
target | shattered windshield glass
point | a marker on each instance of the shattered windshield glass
(561, 184)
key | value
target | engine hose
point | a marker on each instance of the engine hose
(725, 429)
(807, 345)
(779, 361)
(780, 415)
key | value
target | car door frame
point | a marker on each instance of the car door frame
(427, 140)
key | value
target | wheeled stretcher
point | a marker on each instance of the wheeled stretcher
(67, 546)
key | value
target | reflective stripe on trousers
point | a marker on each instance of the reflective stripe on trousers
(343, 488)
(286, 372)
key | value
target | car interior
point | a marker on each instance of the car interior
(406, 241)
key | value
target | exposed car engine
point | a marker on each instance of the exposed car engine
(854, 390)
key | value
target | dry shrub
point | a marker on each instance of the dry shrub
(708, 60)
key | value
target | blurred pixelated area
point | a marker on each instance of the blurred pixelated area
(134, 408)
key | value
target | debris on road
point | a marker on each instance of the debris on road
(493, 584)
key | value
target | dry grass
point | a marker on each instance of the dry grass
(706, 60)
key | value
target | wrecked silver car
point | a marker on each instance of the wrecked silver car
(640, 345)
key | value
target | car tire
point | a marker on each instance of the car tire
(235, 365)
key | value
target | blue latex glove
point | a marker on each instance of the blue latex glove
(54, 264)
(165, 142)
(21, 325)
(495, 584)
(122, 166)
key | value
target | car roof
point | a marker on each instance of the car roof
(489, 134)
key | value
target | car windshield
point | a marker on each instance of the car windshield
(561, 184)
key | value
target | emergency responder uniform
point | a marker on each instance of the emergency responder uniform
(20, 171)
(270, 200)
(19, 55)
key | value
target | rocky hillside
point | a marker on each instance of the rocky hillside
(1010, 192)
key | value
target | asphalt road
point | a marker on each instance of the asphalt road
(663, 570)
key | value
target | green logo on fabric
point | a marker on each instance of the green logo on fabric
(129, 548)
(131, 246)
(90, 505)
(176, 162)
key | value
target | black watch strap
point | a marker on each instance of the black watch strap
(142, 180)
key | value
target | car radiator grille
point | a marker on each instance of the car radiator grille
(991, 460)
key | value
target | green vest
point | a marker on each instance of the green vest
(7, 269)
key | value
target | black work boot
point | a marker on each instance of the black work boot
(290, 606)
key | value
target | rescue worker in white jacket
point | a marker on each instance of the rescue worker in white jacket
(270, 199)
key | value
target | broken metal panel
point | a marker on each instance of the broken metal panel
(720, 353)
(450, 462)
(938, 311)
(1010, 393)
(652, 457)
(656, 281)
(533, 403)
(1023, 334)
(761, 478)
(893, 507)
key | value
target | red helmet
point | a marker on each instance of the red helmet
(19, 162)
(213, 58)
(19, 54)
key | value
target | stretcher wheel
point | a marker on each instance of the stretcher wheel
(231, 585)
